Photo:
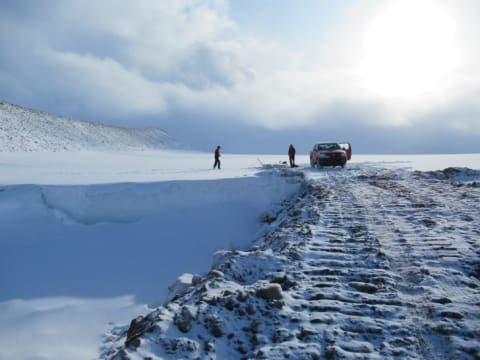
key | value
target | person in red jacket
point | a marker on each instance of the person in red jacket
(217, 158)
(291, 155)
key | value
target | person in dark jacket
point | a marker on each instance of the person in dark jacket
(291, 155)
(217, 158)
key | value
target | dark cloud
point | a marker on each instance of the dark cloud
(340, 123)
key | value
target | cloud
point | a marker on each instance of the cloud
(175, 60)
(121, 90)
(113, 57)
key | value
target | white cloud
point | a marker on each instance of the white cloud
(127, 59)
(111, 87)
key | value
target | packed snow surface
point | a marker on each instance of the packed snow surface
(377, 260)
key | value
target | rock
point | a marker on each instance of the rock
(184, 319)
(121, 355)
(215, 326)
(208, 347)
(135, 343)
(196, 279)
(363, 287)
(268, 218)
(284, 282)
(137, 327)
(230, 304)
(255, 326)
(281, 335)
(180, 347)
(242, 296)
(216, 274)
(428, 222)
(276, 303)
(250, 309)
(270, 292)
(306, 334)
(451, 314)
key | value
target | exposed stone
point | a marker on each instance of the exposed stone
(216, 274)
(137, 327)
(121, 355)
(255, 326)
(230, 304)
(250, 309)
(181, 347)
(284, 282)
(135, 343)
(281, 335)
(196, 279)
(451, 314)
(208, 346)
(276, 303)
(242, 296)
(268, 218)
(184, 319)
(270, 292)
(215, 326)
(363, 287)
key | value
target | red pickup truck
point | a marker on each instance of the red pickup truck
(330, 154)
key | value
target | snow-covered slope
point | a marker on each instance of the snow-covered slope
(23, 129)
(366, 263)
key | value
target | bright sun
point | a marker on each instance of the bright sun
(409, 48)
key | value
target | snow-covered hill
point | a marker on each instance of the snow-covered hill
(23, 129)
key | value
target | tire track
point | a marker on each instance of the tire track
(364, 264)
(417, 223)
(354, 301)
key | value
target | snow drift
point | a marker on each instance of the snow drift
(80, 256)
(131, 202)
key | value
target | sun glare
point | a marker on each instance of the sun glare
(409, 48)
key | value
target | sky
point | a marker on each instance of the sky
(389, 76)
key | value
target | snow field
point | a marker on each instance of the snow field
(89, 240)
(79, 257)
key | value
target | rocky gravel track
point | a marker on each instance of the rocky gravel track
(365, 263)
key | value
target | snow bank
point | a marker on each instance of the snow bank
(131, 202)
(81, 257)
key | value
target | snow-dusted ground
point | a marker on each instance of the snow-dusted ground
(374, 261)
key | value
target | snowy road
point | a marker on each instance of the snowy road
(372, 263)
(393, 265)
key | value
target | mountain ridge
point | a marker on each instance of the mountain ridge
(28, 130)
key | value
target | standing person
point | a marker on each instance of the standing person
(291, 155)
(217, 158)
